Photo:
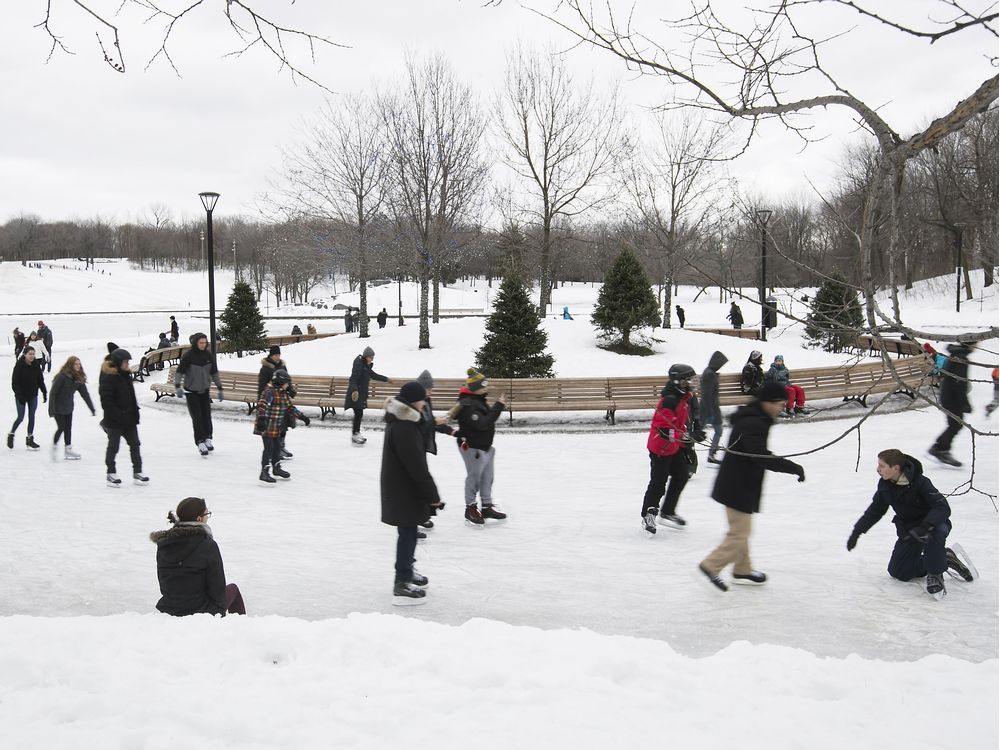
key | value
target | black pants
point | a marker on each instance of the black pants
(358, 413)
(115, 435)
(406, 548)
(272, 451)
(64, 429)
(910, 559)
(199, 405)
(943, 443)
(662, 468)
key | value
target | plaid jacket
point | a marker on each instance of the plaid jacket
(274, 410)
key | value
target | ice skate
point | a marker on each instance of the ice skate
(407, 594)
(944, 456)
(960, 564)
(208, 444)
(286, 455)
(140, 479)
(649, 521)
(753, 578)
(358, 440)
(428, 524)
(30, 442)
(418, 580)
(70, 455)
(490, 512)
(671, 521)
(203, 449)
(935, 586)
(280, 473)
(266, 477)
(10, 440)
(113, 480)
(473, 517)
(714, 579)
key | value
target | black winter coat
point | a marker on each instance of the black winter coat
(740, 478)
(117, 397)
(64, 386)
(408, 489)
(428, 428)
(197, 369)
(709, 411)
(476, 420)
(752, 378)
(27, 380)
(189, 568)
(915, 504)
(954, 380)
(267, 368)
(361, 373)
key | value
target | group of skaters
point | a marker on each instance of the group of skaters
(39, 340)
(922, 512)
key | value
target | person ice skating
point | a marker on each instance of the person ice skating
(189, 565)
(268, 365)
(45, 334)
(711, 411)
(121, 415)
(409, 494)
(954, 399)
(735, 316)
(193, 381)
(921, 520)
(680, 314)
(778, 373)
(41, 352)
(274, 412)
(19, 341)
(476, 428)
(382, 318)
(668, 436)
(431, 425)
(348, 321)
(752, 376)
(992, 405)
(26, 380)
(175, 330)
(356, 397)
(70, 380)
(739, 484)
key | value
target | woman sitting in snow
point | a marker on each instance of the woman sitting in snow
(189, 565)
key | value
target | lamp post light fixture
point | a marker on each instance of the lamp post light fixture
(763, 216)
(959, 231)
(208, 200)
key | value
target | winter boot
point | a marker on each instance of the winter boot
(649, 521)
(671, 521)
(473, 517)
(280, 473)
(30, 442)
(265, 476)
(753, 578)
(713, 460)
(208, 444)
(714, 579)
(113, 480)
(406, 593)
(203, 449)
(70, 455)
(140, 479)
(358, 440)
(944, 456)
(802, 410)
(959, 564)
(490, 511)
(935, 586)
(10, 440)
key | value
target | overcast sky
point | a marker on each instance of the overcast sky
(79, 140)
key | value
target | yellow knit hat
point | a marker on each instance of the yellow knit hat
(476, 380)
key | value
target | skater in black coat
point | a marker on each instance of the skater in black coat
(26, 380)
(954, 395)
(752, 376)
(382, 317)
(431, 425)
(735, 315)
(409, 494)
(189, 565)
(680, 314)
(356, 397)
(19, 341)
(70, 380)
(739, 484)
(121, 415)
(921, 520)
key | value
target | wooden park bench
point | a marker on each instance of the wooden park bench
(740, 333)
(867, 344)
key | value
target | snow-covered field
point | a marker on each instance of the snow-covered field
(565, 627)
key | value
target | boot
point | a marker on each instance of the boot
(266, 477)
(406, 593)
(202, 449)
(70, 455)
(473, 517)
(140, 479)
(208, 444)
(358, 440)
(277, 471)
(10, 440)
(489, 511)
(113, 480)
(30, 442)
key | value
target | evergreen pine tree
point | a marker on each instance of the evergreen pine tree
(835, 319)
(515, 344)
(242, 327)
(626, 301)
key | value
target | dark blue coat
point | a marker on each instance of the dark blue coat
(361, 373)
(915, 504)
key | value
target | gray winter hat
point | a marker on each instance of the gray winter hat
(426, 380)
(368, 352)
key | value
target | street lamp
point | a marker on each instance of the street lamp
(208, 200)
(763, 216)
(959, 231)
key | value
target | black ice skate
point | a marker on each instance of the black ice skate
(649, 521)
(266, 477)
(139, 479)
(959, 564)
(491, 512)
(714, 579)
(203, 450)
(753, 578)
(935, 586)
(944, 456)
(672, 521)
(405, 593)
(113, 481)
(473, 517)
(30, 442)
(418, 580)
(280, 473)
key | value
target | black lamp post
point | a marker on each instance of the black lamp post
(208, 200)
(763, 216)
(959, 231)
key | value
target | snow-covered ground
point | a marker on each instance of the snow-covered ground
(565, 627)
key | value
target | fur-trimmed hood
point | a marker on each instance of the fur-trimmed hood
(108, 367)
(182, 531)
(267, 362)
(396, 409)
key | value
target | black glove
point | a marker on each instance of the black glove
(45, 398)
(922, 533)
(439, 505)
(852, 540)
(801, 473)
(699, 435)
(305, 419)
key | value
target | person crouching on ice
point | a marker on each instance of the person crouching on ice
(274, 413)
(922, 524)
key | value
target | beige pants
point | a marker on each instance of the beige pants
(735, 548)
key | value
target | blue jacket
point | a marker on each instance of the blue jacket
(916, 504)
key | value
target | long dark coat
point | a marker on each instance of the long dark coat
(27, 380)
(117, 397)
(361, 373)
(408, 489)
(955, 382)
(740, 478)
(189, 568)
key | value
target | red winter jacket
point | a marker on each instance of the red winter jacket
(669, 425)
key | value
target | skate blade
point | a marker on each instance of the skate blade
(137, 483)
(265, 484)
(408, 601)
(744, 582)
(962, 555)
(71, 458)
(114, 486)
(939, 595)
(669, 524)
(474, 525)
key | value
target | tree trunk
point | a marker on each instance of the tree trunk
(436, 273)
(544, 277)
(667, 299)
(424, 337)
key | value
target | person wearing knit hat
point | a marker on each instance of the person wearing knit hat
(356, 397)
(476, 427)
(431, 425)
(45, 334)
(189, 565)
(408, 492)
(268, 366)
(795, 396)
(121, 416)
(739, 483)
